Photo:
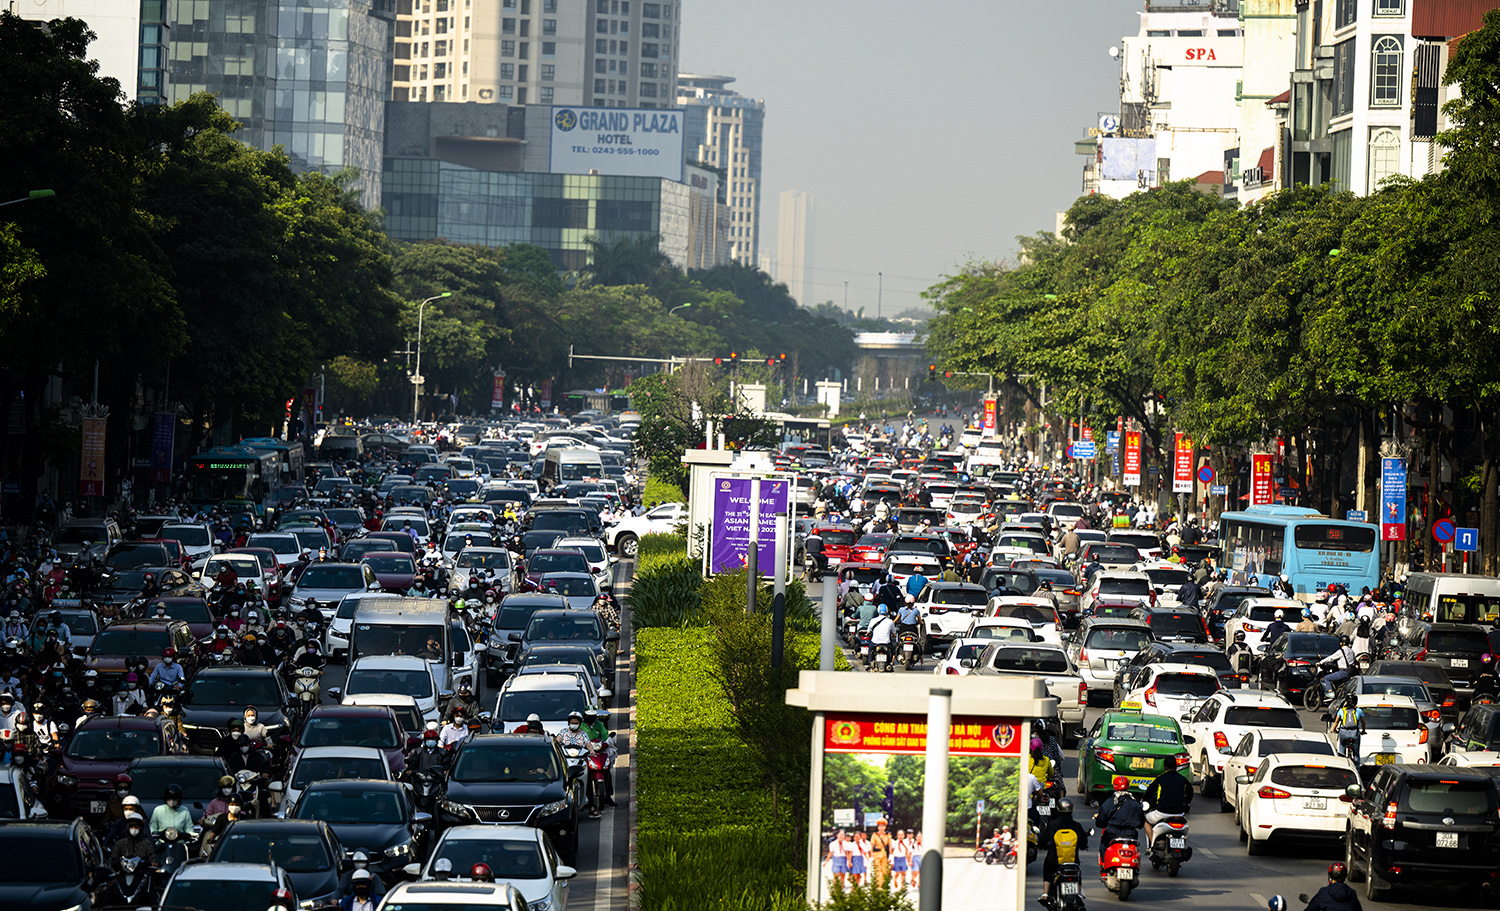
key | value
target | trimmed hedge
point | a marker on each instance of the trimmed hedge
(666, 594)
(657, 492)
(657, 547)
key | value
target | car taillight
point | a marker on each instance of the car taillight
(1433, 715)
(1106, 756)
(1390, 815)
(953, 671)
(1069, 591)
(1270, 793)
(1424, 734)
(1448, 702)
(1205, 625)
(1298, 662)
(1422, 655)
(1220, 741)
(934, 609)
(1250, 769)
(1083, 693)
(1183, 760)
(1083, 656)
(1151, 696)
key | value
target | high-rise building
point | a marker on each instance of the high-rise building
(582, 53)
(724, 131)
(131, 40)
(794, 244)
(308, 75)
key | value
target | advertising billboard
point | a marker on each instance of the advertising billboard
(1393, 499)
(91, 462)
(731, 524)
(990, 406)
(1260, 479)
(497, 395)
(1182, 466)
(163, 439)
(1132, 458)
(626, 142)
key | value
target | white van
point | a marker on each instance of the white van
(1451, 598)
(562, 465)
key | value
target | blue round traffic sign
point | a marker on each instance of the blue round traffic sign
(1206, 474)
(1442, 531)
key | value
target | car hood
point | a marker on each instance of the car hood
(219, 716)
(395, 580)
(92, 774)
(486, 793)
(325, 594)
(369, 837)
(315, 884)
(40, 895)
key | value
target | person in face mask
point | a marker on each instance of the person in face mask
(428, 757)
(361, 862)
(171, 814)
(454, 731)
(114, 811)
(242, 757)
(129, 697)
(360, 896)
(576, 736)
(168, 673)
(133, 843)
(220, 803)
(253, 728)
(533, 725)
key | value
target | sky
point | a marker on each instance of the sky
(929, 134)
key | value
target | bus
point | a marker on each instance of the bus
(816, 433)
(293, 467)
(233, 473)
(1312, 550)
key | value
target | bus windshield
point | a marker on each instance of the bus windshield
(1357, 539)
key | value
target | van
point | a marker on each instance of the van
(1451, 597)
(563, 465)
(408, 626)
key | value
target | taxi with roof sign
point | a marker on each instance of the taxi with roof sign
(1138, 745)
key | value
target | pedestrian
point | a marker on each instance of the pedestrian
(859, 858)
(880, 854)
(898, 860)
(838, 857)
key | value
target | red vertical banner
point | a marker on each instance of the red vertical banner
(1182, 465)
(544, 394)
(497, 397)
(1088, 432)
(989, 417)
(91, 463)
(1132, 458)
(1260, 479)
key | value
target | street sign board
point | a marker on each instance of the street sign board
(1357, 515)
(1111, 441)
(1083, 449)
(1465, 539)
(1218, 490)
(1442, 531)
(1206, 474)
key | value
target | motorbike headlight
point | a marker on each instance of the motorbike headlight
(556, 806)
(401, 850)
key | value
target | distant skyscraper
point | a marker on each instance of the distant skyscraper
(313, 79)
(794, 244)
(130, 44)
(724, 130)
(593, 53)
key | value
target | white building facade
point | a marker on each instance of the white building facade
(724, 130)
(132, 40)
(794, 244)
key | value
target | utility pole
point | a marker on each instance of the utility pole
(879, 294)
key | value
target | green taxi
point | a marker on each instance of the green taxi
(1126, 741)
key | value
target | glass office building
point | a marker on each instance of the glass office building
(307, 75)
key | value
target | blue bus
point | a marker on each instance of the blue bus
(1312, 550)
(293, 471)
(233, 473)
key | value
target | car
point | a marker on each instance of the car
(947, 610)
(1456, 648)
(1116, 588)
(1222, 720)
(580, 672)
(1394, 731)
(246, 568)
(147, 639)
(1423, 825)
(375, 816)
(1367, 685)
(1148, 543)
(1047, 663)
(599, 559)
(455, 894)
(198, 776)
(335, 763)
(336, 634)
(355, 550)
(869, 549)
(193, 611)
(1486, 759)
(1041, 613)
(550, 560)
(176, 556)
(408, 713)
(354, 726)
(963, 653)
(1101, 646)
(227, 887)
(329, 583)
(1130, 742)
(579, 588)
(1294, 796)
(122, 586)
(584, 656)
(1432, 676)
(514, 779)
(509, 625)
(1109, 556)
(578, 627)
(497, 560)
(348, 521)
(625, 536)
(1003, 629)
(1477, 731)
(518, 855)
(463, 535)
(1255, 614)
(52, 865)
(217, 695)
(552, 696)
(395, 571)
(18, 797)
(1289, 664)
(270, 570)
(409, 675)
(85, 540)
(904, 566)
(83, 625)
(1173, 689)
(100, 749)
(306, 850)
(138, 555)
(1174, 653)
(1256, 745)
(1173, 624)
(1223, 602)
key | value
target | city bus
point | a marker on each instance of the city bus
(1312, 550)
(814, 432)
(293, 468)
(233, 473)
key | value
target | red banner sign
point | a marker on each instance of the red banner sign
(970, 735)
(989, 417)
(1260, 479)
(1182, 466)
(497, 398)
(91, 463)
(1088, 432)
(1132, 458)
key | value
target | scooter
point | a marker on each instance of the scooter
(598, 768)
(1067, 889)
(909, 651)
(131, 884)
(866, 650)
(1169, 848)
(1121, 867)
(426, 790)
(882, 657)
(305, 687)
(1319, 692)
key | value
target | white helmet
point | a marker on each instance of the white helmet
(1278, 615)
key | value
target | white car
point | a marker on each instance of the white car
(550, 696)
(331, 764)
(496, 559)
(904, 566)
(625, 535)
(409, 675)
(196, 541)
(959, 651)
(1173, 690)
(595, 553)
(1116, 588)
(1294, 795)
(408, 713)
(1255, 614)
(948, 609)
(285, 546)
(1165, 578)
(1002, 629)
(1256, 745)
(1476, 759)
(455, 894)
(1394, 731)
(520, 856)
(1039, 613)
(1221, 722)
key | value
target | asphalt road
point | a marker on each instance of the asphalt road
(1220, 875)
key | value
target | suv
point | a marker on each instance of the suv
(1424, 825)
(1101, 646)
(50, 865)
(1172, 624)
(218, 695)
(1117, 588)
(948, 610)
(509, 624)
(1456, 648)
(552, 696)
(1224, 601)
(1175, 653)
(625, 535)
(514, 779)
(84, 540)
(1478, 731)
(147, 639)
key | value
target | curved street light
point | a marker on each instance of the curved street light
(417, 378)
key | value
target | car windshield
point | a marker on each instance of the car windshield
(838, 537)
(124, 642)
(1263, 716)
(1457, 641)
(336, 768)
(1270, 745)
(1031, 660)
(594, 553)
(1113, 586)
(1391, 717)
(344, 730)
(109, 744)
(294, 853)
(414, 683)
(389, 563)
(558, 563)
(341, 806)
(344, 578)
(471, 559)
(187, 535)
(1130, 639)
(506, 859)
(1141, 732)
(973, 597)
(357, 550)
(563, 628)
(81, 623)
(1323, 777)
(391, 639)
(198, 779)
(187, 611)
(570, 586)
(549, 705)
(506, 762)
(79, 535)
(1416, 692)
(1200, 685)
(238, 689)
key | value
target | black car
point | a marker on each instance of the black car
(581, 654)
(1289, 663)
(50, 865)
(1424, 825)
(514, 779)
(198, 776)
(1174, 653)
(569, 521)
(376, 817)
(218, 695)
(1457, 647)
(1479, 729)
(1225, 601)
(1438, 684)
(510, 622)
(575, 627)
(533, 541)
(1171, 624)
(306, 849)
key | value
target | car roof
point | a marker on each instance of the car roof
(1121, 574)
(340, 752)
(234, 671)
(545, 681)
(1123, 622)
(238, 872)
(497, 894)
(1177, 667)
(350, 711)
(949, 586)
(391, 661)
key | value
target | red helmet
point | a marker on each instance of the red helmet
(282, 896)
(481, 872)
(429, 735)
(169, 652)
(122, 778)
(1121, 783)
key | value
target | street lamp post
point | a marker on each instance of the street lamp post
(679, 307)
(417, 378)
(34, 194)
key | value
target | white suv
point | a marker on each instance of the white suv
(1222, 720)
(948, 610)
(625, 535)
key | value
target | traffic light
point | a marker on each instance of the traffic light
(947, 374)
(889, 804)
(718, 362)
(734, 357)
(932, 373)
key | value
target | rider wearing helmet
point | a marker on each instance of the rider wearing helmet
(1168, 795)
(361, 864)
(464, 699)
(1275, 629)
(575, 736)
(1120, 817)
(428, 757)
(168, 673)
(1486, 682)
(1062, 841)
(1342, 661)
(220, 803)
(480, 873)
(1336, 896)
(171, 814)
(1350, 724)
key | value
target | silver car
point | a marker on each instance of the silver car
(1102, 645)
(579, 588)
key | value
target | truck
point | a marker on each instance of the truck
(1048, 663)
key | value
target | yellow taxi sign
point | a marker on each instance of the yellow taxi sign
(1131, 705)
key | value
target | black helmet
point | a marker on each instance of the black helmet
(1337, 872)
(173, 792)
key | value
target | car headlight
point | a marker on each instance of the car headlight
(455, 809)
(541, 904)
(67, 781)
(401, 850)
(298, 599)
(556, 806)
(307, 904)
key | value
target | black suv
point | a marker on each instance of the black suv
(50, 865)
(515, 779)
(1430, 673)
(1288, 665)
(1424, 825)
(1479, 730)
(511, 620)
(1457, 647)
(1173, 624)
(218, 695)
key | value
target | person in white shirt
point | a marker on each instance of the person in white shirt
(454, 731)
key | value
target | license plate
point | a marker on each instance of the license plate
(1142, 762)
(1447, 839)
(1177, 842)
(1044, 811)
(1070, 888)
(1460, 662)
(97, 807)
(1385, 758)
(1315, 803)
(1127, 873)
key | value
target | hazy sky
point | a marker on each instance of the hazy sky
(929, 134)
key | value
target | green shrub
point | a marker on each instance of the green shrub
(733, 868)
(665, 593)
(874, 894)
(658, 546)
(657, 492)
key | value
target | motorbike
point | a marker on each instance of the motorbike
(1067, 889)
(866, 650)
(427, 785)
(247, 784)
(882, 657)
(171, 854)
(578, 760)
(131, 884)
(1121, 867)
(1319, 691)
(598, 767)
(851, 629)
(305, 687)
(1169, 848)
(996, 853)
(910, 654)
(812, 568)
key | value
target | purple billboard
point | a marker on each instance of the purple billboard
(731, 523)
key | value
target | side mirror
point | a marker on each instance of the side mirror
(275, 787)
(337, 693)
(422, 819)
(1354, 792)
(480, 648)
(1449, 728)
(1226, 750)
(413, 742)
(1187, 717)
(412, 870)
(605, 694)
(38, 813)
(966, 662)
(612, 636)
(1189, 739)
(445, 695)
(1242, 779)
(1325, 717)
(513, 636)
(566, 872)
(197, 575)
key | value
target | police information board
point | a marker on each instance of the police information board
(626, 142)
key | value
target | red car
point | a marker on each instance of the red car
(837, 541)
(99, 750)
(870, 548)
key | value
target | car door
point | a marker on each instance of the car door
(1238, 763)
(1086, 750)
(1199, 726)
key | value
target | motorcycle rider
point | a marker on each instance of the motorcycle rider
(171, 814)
(593, 726)
(243, 758)
(253, 729)
(1275, 629)
(1341, 660)
(427, 757)
(812, 546)
(454, 730)
(1308, 623)
(1336, 896)
(463, 700)
(134, 842)
(361, 861)
(1061, 841)
(359, 896)
(220, 803)
(533, 725)
(129, 700)
(168, 673)
(909, 620)
(1282, 587)
(1119, 817)
(1485, 682)
(1241, 656)
(882, 632)
(1168, 795)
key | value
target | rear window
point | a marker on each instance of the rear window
(1271, 745)
(1349, 538)
(1416, 692)
(1252, 716)
(1144, 542)
(1266, 612)
(1391, 717)
(1216, 660)
(1027, 612)
(1450, 798)
(1142, 733)
(1031, 660)
(972, 597)
(1168, 578)
(1313, 776)
(1187, 685)
(1176, 624)
(1423, 671)
(1130, 640)
(903, 568)
(1115, 553)
(1004, 633)
(838, 538)
(1109, 586)
(1457, 641)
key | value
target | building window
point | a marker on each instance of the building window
(509, 4)
(648, 70)
(1390, 8)
(624, 67)
(441, 26)
(1345, 13)
(1385, 155)
(650, 10)
(507, 49)
(650, 30)
(598, 86)
(1385, 71)
(466, 68)
(424, 49)
(648, 90)
(544, 94)
(549, 26)
(549, 48)
(549, 6)
(1343, 78)
(601, 45)
(624, 28)
(439, 93)
(440, 71)
(1190, 33)
(548, 71)
(624, 7)
(524, 51)
(602, 27)
(666, 31)
(666, 11)
(507, 26)
(440, 49)
(507, 71)
(525, 28)
(505, 92)
(522, 74)
(602, 7)
(624, 48)
(598, 66)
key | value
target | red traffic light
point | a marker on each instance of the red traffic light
(719, 361)
(947, 374)
(770, 362)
